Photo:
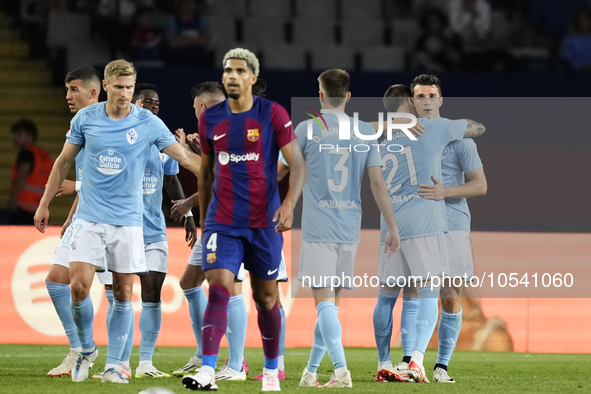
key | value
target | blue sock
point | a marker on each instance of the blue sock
(126, 355)
(236, 331)
(60, 296)
(150, 321)
(109, 294)
(197, 300)
(382, 322)
(83, 315)
(410, 307)
(426, 317)
(449, 331)
(282, 334)
(330, 327)
(318, 349)
(119, 330)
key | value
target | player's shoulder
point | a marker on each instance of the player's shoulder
(89, 112)
(142, 113)
(436, 123)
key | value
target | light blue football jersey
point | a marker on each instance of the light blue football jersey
(78, 161)
(114, 160)
(458, 158)
(405, 165)
(332, 202)
(158, 165)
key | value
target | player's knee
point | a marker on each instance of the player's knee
(151, 295)
(265, 301)
(79, 291)
(451, 305)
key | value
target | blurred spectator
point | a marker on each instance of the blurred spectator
(187, 35)
(552, 17)
(471, 20)
(146, 39)
(576, 49)
(115, 24)
(420, 7)
(30, 171)
(437, 49)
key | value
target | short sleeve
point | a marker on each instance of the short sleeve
(163, 138)
(205, 144)
(75, 135)
(374, 159)
(454, 131)
(301, 135)
(468, 155)
(171, 166)
(281, 124)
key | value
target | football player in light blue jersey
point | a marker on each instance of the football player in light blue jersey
(83, 86)
(116, 136)
(406, 164)
(459, 158)
(331, 220)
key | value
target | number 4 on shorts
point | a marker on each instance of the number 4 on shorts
(212, 243)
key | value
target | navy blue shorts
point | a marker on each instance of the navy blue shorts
(227, 247)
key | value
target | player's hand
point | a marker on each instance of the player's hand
(65, 226)
(41, 219)
(139, 103)
(191, 231)
(392, 242)
(67, 187)
(194, 143)
(432, 192)
(283, 216)
(417, 130)
(179, 209)
(181, 137)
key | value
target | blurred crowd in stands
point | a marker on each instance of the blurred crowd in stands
(453, 35)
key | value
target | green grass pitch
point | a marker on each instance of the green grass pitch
(23, 369)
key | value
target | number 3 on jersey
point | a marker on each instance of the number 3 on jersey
(342, 168)
(410, 163)
(212, 243)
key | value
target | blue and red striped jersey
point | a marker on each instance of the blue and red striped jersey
(246, 147)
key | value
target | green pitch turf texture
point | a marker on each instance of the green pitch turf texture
(23, 369)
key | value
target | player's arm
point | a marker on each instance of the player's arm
(474, 129)
(380, 194)
(183, 206)
(205, 186)
(173, 187)
(60, 169)
(24, 168)
(297, 178)
(282, 170)
(417, 130)
(476, 186)
(185, 157)
(67, 187)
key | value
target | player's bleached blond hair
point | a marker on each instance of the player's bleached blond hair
(119, 68)
(246, 55)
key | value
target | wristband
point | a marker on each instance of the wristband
(188, 215)
(78, 186)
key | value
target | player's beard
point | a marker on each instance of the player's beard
(234, 96)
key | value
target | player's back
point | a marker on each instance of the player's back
(458, 157)
(408, 163)
(332, 202)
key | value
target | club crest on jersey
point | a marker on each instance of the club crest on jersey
(131, 137)
(211, 258)
(444, 153)
(252, 134)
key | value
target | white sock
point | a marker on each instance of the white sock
(109, 366)
(340, 372)
(417, 357)
(125, 363)
(385, 365)
(145, 363)
(272, 372)
(280, 363)
(76, 350)
(208, 369)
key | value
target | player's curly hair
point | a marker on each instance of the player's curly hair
(246, 55)
(139, 87)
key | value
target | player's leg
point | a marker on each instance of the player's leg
(382, 325)
(425, 254)
(151, 316)
(191, 283)
(57, 283)
(410, 307)
(235, 369)
(223, 253)
(125, 256)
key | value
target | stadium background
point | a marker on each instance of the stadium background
(537, 161)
